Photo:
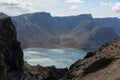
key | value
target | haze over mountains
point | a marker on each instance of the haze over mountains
(83, 31)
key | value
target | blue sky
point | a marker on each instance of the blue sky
(98, 8)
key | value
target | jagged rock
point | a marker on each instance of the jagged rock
(11, 52)
(30, 73)
(3, 74)
(89, 54)
(11, 55)
(104, 65)
(51, 73)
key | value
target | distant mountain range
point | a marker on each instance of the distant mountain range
(83, 31)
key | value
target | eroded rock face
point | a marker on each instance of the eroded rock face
(51, 72)
(3, 74)
(11, 54)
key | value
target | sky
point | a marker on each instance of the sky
(98, 8)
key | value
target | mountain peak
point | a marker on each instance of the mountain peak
(85, 16)
(88, 15)
(38, 14)
(2, 15)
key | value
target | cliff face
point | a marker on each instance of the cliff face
(103, 64)
(11, 53)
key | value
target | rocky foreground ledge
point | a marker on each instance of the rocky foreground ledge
(103, 64)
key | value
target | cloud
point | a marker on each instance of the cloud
(113, 6)
(116, 7)
(74, 7)
(105, 4)
(18, 5)
(74, 4)
(74, 1)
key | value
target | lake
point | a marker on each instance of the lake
(61, 58)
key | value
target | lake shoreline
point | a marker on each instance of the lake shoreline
(60, 58)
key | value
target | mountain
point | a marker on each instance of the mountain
(99, 65)
(114, 23)
(37, 29)
(42, 30)
(2, 15)
(102, 64)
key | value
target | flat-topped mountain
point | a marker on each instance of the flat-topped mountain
(43, 30)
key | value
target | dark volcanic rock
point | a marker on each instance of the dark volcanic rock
(30, 73)
(51, 73)
(12, 65)
(3, 74)
(89, 54)
(10, 49)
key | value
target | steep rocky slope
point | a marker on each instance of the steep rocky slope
(10, 50)
(103, 64)
(114, 23)
(92, 39)
(51, 72)
(43, 30)
(11, 55)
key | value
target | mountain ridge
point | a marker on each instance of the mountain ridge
(40, 29)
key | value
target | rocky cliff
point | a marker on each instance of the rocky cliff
(11, 55)
(103, 64)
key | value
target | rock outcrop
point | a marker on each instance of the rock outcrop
(11, 53)
(12, 65)
(51, 73)
(103, 64)
(30, 73)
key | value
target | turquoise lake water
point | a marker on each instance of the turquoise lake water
(61, 58)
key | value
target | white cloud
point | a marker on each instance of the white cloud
(16, 5)
(74, 7)
(73, 4)
(116, 7)
(103, 4)
(74, 1)
(106, 4)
